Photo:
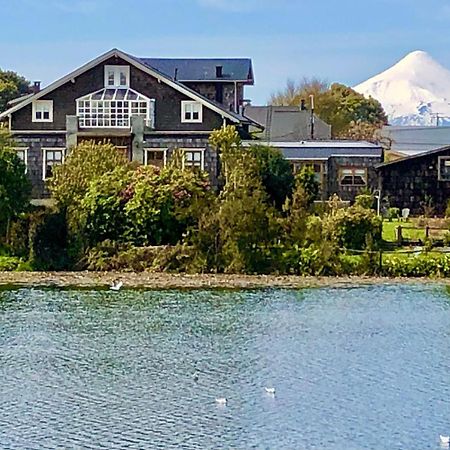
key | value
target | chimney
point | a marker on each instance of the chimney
(36, 87)
(219, 71)
(175, 75)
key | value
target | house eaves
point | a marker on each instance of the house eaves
(135, 62)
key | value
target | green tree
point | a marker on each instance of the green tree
(15, 188)
(84, 163)
(306, 180)
(350, 114)
(12, 86)
(275, 173)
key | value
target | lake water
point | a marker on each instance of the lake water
(361, 368)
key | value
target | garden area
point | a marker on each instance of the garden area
(110, 214)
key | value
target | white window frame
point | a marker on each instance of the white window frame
(353, 174)
(117, 71)
(187, 103)
(196, 150)
(44, 158)
(25, 156)
(114, 112)
(146, 150)
(42, 103)
(442, 160)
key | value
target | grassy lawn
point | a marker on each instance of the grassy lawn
(389, 234)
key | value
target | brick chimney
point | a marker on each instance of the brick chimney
(36, 87)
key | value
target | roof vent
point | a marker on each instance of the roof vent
(219, 71)
(36, 87)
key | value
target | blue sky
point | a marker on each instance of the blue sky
(338, 40)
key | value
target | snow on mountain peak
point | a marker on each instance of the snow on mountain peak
(413, 91)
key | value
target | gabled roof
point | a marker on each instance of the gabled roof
(203, 69)
(418, 156)
(237, 118)
(287, 123)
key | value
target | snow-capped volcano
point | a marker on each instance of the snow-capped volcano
(415, 91)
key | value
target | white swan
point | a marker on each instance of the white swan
(444, 439)
(270, 390)
(116, 286)
(221, 401)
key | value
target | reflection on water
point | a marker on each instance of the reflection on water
(362, 368)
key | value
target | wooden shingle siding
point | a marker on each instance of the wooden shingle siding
(413, 182)
(168, 102)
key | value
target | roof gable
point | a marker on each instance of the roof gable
(137, 63)
(438, 151)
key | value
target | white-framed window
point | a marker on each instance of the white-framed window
(444, 168)
(42, 111)
(113, 108)
(191, 112)
(194, 157)
(22, 153)
(51, 157)
(117, 76)
(155, 157)
(352, 176)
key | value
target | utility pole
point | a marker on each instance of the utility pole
(311, 100)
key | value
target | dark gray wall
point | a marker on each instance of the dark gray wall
(168, 102)
(348, 193)
(412, 182)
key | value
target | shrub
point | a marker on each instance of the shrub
(9, 263)
(393, 213)
(351, 227)
(422, 265)
(364, 200)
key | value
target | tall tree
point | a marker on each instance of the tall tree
(12, 85)
(15, 187)
(347, 111)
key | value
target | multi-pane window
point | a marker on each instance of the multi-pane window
(113, 108)
(52, 157)
(42, 111)
(194, 158)
(191, 112)
(117, 76)
(444, 168)
(22, 154)
(155, 157)
(318, 167)
(352, 176)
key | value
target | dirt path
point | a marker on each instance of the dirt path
(183, 281)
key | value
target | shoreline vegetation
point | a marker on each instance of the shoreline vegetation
(112, 215)
(162, 281)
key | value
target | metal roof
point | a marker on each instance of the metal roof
(203, 69)
(436, 151)
(323, 149)
(287, 123)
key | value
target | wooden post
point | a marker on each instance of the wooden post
(399, 235)
(427, 232)
(380, 268)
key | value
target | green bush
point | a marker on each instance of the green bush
(393, 213)
(422, 265)
(351, 227)
(9, 263)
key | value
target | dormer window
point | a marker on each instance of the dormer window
(117, 76)
(42, 111)
(191, 112)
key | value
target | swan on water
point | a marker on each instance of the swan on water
(444, 439)
(221, 401)
(270, 390)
